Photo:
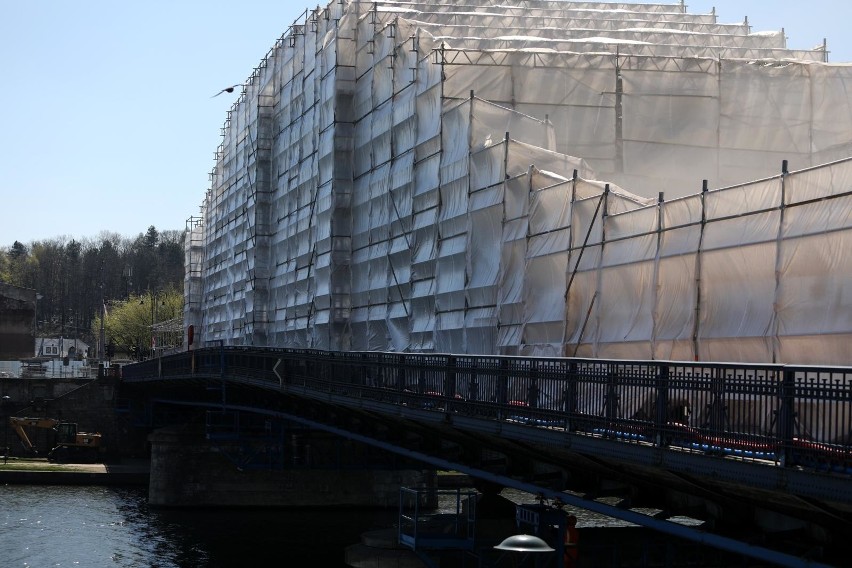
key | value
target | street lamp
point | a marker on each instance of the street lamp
(152, 297)
(35, 315)
(102, 334)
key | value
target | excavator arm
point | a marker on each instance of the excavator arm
(18, 423)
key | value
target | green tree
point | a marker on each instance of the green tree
(22, 265)
(5, 272)
(18, 251)
(151, 238)
(23, 268)
(130, 325)
(76, 277)
(49, 277)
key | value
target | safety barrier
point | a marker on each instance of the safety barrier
(778, 414)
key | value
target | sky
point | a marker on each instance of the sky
(109, 119)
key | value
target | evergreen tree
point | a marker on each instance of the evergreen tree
(76, 277)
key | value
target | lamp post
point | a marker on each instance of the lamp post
(102, 334)
(152, 298)
(35, 315)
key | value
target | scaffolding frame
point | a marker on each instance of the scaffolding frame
(366, 197)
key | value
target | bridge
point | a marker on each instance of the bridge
(761, 455)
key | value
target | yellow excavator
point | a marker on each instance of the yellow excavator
(71, 446)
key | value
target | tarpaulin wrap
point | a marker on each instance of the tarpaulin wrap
(401, 177)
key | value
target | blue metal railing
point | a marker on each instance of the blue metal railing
(781, 414)
(422, 525)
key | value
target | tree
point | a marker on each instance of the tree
(5, 273)
(152, 238)
(170, 256)
(128, 324)
(18, 251)
(23, 266)
(75, 277)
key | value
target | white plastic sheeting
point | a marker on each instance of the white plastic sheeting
(422, 176)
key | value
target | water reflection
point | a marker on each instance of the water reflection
(108, 527)
(92, 526)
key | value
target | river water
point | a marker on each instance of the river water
(43, 526)
(92, 526)
(71, 526)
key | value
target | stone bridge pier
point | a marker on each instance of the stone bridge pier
(191, 468)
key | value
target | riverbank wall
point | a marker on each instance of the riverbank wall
(42, 472)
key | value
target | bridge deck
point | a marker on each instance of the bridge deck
(775, 436)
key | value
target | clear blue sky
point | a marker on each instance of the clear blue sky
(108, 121)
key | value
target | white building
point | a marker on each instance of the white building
(474, 178)
(61, 347)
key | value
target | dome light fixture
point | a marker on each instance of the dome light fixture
(524, 543)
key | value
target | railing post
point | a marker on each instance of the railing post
(662, 404)
(222, 371)
(503, 382)
(364, 378)
(339, 368)
(450, 377)
(501, 389)
(570, 396)
(611, 403)
(473, 386)
(222, 358)
(421, 376)
(400, 373)
(786, 417)
(717, 411)
(305, 368)
(324, 363)
(532, 389)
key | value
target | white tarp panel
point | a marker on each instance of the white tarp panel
(490, 179)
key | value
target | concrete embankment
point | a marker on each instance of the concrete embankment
(42, 472)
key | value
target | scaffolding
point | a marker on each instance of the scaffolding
(527, 179)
